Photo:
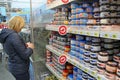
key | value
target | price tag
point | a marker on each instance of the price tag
(88, 33)
(114, 36)
(74, 64)
(93, 73)
(96, 34)
(75, 32)
(70, 31)
(86, 70)
(99, 78)
(106, 35)
(69, 60)
(81, 32)
(80, 66)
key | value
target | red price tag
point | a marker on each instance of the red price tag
(62, 30)
(62, 59)
(65, 1)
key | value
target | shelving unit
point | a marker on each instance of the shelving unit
(76, 63)
(87, 30)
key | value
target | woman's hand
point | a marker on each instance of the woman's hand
(30, 45)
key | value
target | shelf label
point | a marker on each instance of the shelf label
(80, 66)
(114, 36)
(62, 30)
(99, 78)
(86, 70)
(81, 32)
(106, 35)
(93, 73)
(70, 31)
(65, 1)
(88, 33)
(96, 34)
(74, 63)
(62, 59)
(75, 32)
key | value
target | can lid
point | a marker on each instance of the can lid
(104, 53)
(102, 61)
(101, 68)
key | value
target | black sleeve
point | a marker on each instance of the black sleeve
(20, 47)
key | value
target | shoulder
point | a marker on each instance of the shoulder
(13, 37)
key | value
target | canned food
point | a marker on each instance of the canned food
(105, 14)
(105, 7)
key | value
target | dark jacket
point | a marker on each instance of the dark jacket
(15, 47)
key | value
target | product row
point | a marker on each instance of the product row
(99, 54)
(92, 12)
(68, 71)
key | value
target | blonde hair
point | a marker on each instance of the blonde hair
(16, 23)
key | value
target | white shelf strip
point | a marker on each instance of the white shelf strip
(52, 27)
(76, 63)
(56, 4)
(74, 30)
(96, 33)
(54, 72)
(110, 34)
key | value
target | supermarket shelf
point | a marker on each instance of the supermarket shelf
(93, 73)
(110, 34)
(76, 63)
(56, 4)
(54, 72)
(54, 50)
(95, 33)
(74, 30)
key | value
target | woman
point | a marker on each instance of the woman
(17, 50)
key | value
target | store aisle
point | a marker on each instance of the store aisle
(4, 74)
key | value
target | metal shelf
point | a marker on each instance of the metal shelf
(52, 27)
(95, 33)
(56, 4)
(74, 30)
(59, 76)
(76, 63)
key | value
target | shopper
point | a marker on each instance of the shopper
(17, 50)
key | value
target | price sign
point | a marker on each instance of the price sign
(62, 30)
(62, 59)
(65, 1)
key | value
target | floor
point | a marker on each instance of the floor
(4, 73)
